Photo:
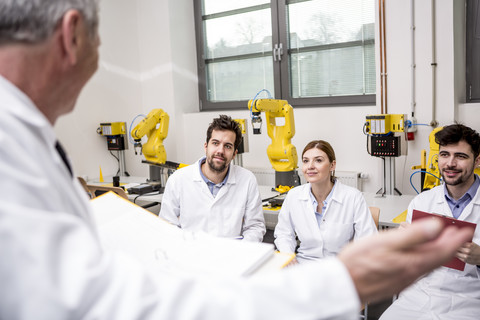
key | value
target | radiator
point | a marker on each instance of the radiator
(266, 177)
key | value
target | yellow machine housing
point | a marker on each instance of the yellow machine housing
(281, 152)
(115, 132)
(112, 128)
(385, 123)
(243, 125)
(243, 147)
(155, 127)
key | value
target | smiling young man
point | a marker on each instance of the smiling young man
(447, 293)
(214, 195)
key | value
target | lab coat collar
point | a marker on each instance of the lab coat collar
(22, 107)
(440, 194)
(442, 202)
(336, 195)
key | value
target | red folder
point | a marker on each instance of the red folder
(455, 263)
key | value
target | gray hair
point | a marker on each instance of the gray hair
(34, 21)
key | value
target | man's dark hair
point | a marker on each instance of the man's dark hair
(457, 132)
(222, 123)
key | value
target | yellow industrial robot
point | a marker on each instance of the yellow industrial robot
(155, 127)
(281, 152)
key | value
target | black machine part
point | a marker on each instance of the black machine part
(143, 189)
(287, 178)
(385, 146)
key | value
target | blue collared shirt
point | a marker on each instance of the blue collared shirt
(457, 206)
(319, 215)
(214, 188)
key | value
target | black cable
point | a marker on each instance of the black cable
(118, 161)
(147, 194)
(368, 150)
(275, 196)
(364, 126)
(114, 156)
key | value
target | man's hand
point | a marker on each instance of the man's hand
(383, 265)
(469, 253)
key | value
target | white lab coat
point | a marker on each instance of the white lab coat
(235, 211)
(445, 293)
(52, 266)
(347, 217)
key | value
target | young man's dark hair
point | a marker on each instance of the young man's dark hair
(457, 132)
(222, 123)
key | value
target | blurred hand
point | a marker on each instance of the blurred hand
(292, 263)
(383, 265)
(469, 253)
(404, 225)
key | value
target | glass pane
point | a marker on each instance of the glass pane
(216, 6)
(240, 79)
(334, 72)
(321, 22)
(238, 34)
(369, 61)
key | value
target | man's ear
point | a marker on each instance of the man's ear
(71, 34)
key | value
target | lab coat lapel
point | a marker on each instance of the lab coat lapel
(231, 180)
(336, 196)
(441, 205)
(308, 207)
(469, 208)
(197, 178)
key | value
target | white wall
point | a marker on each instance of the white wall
(148, 61)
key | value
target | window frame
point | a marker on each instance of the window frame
(281, 72)
(472, 54)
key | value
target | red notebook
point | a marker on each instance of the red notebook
(455, 263)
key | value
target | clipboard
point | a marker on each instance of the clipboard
(125, 227)
(455, 263)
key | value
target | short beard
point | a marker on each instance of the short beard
(460, 179)
(453, 183)
(218, 169)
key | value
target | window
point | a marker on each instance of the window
(309, 52)
(473, 51)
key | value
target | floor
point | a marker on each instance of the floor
(375, 310)
(268, 237)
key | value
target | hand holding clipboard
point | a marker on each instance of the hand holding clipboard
(455, 263)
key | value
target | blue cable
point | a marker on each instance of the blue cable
(409, 124)
(423, 172)
(130, 128)
(255, 98)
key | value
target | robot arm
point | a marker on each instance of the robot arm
(281, 153)
(155, 126)
(432, 164)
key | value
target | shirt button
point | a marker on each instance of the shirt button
(457, 206)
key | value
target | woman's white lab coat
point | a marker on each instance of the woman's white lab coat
(347, 217)
(445, 293)
(235, 211)
(52, 265)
